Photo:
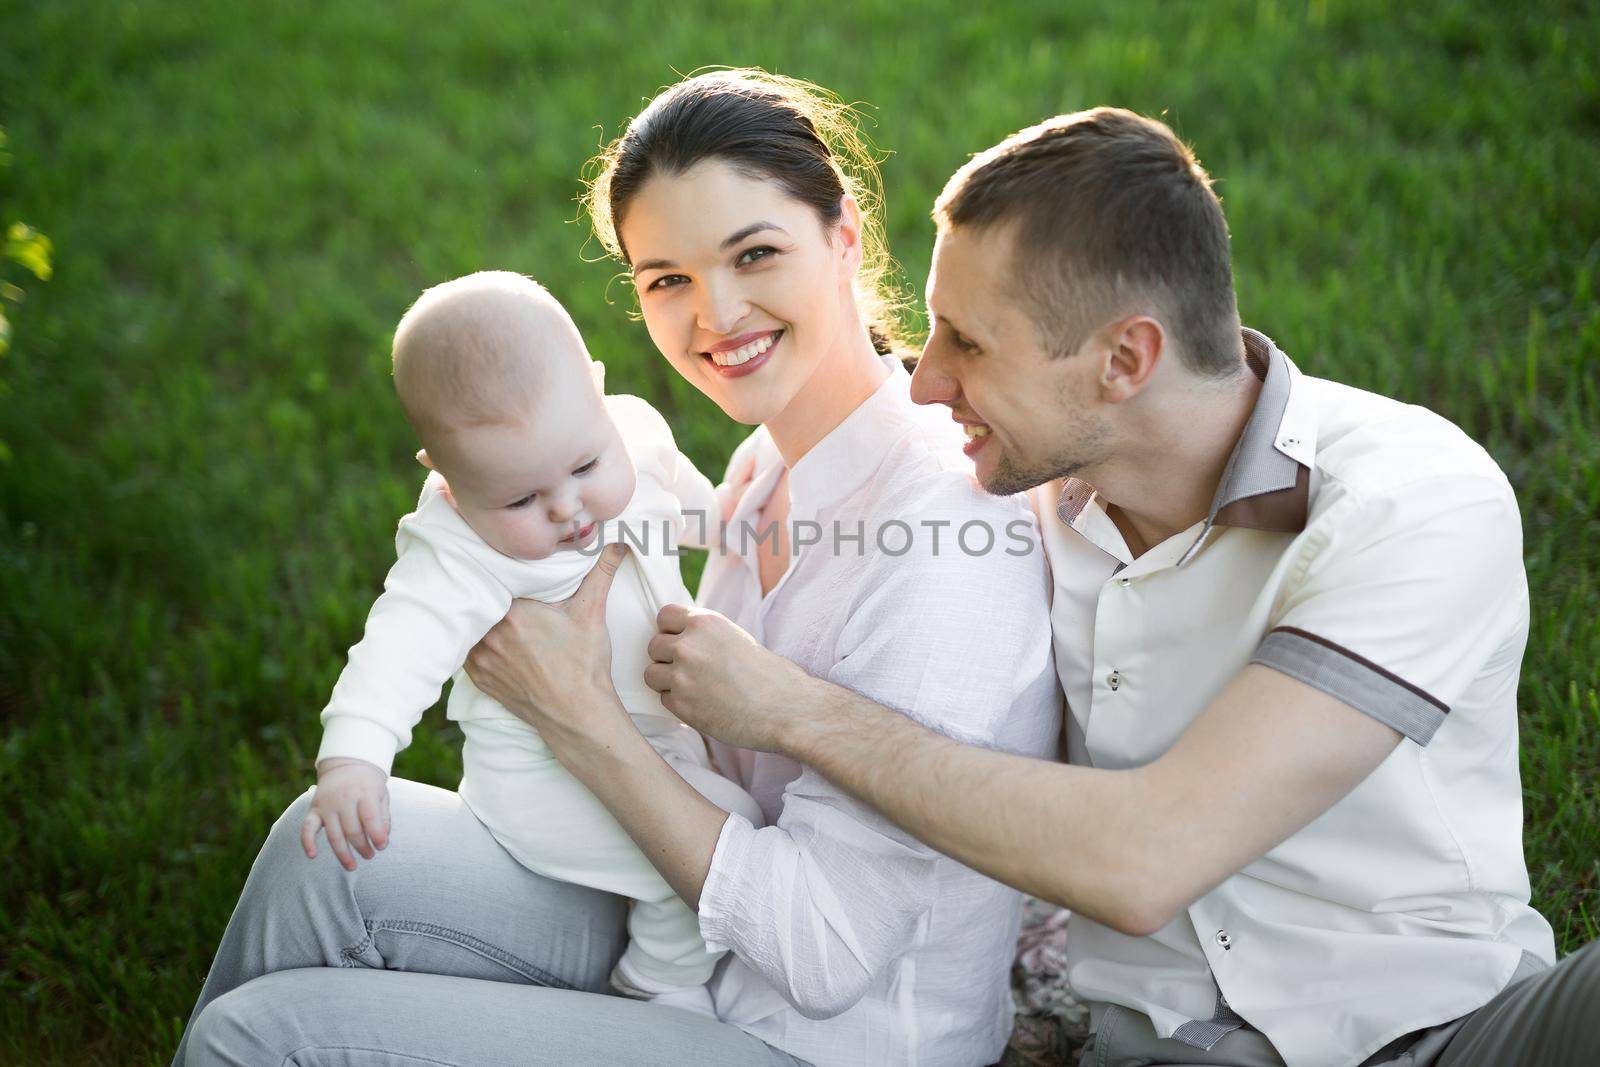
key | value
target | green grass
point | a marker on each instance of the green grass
(243, 198)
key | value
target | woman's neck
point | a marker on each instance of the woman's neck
(842, 382)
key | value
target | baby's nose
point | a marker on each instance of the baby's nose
(563, 508)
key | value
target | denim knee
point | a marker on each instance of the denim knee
(282, 862)
(294, 815)
(223, 1034)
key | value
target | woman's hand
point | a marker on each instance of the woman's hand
(720, 680)
(550, 664)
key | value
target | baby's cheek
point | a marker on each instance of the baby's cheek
(520, 539)
(616, 494)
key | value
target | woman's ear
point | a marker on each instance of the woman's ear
(849, 233)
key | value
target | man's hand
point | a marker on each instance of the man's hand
(351, 803)
(715, 677)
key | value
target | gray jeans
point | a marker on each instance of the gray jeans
(1543, 1018)
(441, 950)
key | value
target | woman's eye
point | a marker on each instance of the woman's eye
(517, 505)
(666, 281)
(587, 467)
(751, 255)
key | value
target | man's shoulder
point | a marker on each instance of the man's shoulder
(1371, 446)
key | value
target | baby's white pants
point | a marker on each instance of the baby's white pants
(554, 826)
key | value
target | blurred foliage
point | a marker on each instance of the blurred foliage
(23, 247)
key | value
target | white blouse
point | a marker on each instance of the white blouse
(852, 942)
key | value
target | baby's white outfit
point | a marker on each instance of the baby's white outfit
(446, 590)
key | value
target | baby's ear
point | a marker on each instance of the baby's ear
(422, 458)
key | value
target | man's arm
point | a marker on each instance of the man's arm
(1130, 848)
(1412, 588)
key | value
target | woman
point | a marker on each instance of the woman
(734, 203)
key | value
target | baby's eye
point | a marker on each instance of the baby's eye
(516, 505)
(666, 281)
(587, 467)
(752, 255)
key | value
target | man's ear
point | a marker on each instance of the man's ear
(422, 458)
(1133, 349)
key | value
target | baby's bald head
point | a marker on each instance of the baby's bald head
(492, 347)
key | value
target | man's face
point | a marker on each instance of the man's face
(1031, 415)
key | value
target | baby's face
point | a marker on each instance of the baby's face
(540, 486)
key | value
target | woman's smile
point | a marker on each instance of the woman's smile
(742, 355)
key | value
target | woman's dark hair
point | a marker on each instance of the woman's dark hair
(765, 126)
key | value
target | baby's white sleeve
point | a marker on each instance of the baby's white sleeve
(702, 513)
(437, 602)
(655, 454)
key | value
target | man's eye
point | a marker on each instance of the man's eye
(516, 505)
(587, 467)
(666, 281)
(962, 343)
(752, 255)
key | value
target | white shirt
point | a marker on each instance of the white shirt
(447, 589)
(852, 942)
(1372, 550)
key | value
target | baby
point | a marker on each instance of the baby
(529, 459)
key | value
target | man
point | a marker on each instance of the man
(1289, 618)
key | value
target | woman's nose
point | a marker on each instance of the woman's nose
(721, 307)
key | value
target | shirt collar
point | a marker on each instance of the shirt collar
(1267, 482)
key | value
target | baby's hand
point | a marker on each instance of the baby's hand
(351, 803)
(741, 472)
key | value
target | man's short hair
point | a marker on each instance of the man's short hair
(1108, 210)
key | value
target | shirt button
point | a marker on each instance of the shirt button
(1114, 680)
(1125, 582)
(1224, 941)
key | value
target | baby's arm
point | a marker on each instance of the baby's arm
(702, 511)
(655, 453)
(741, 472)
(438, 600)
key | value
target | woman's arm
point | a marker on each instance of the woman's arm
(550, 664)
(821, 903)
(826, 902)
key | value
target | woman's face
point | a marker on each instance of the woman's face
(741, 286)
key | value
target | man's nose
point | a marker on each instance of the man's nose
(929, 382)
